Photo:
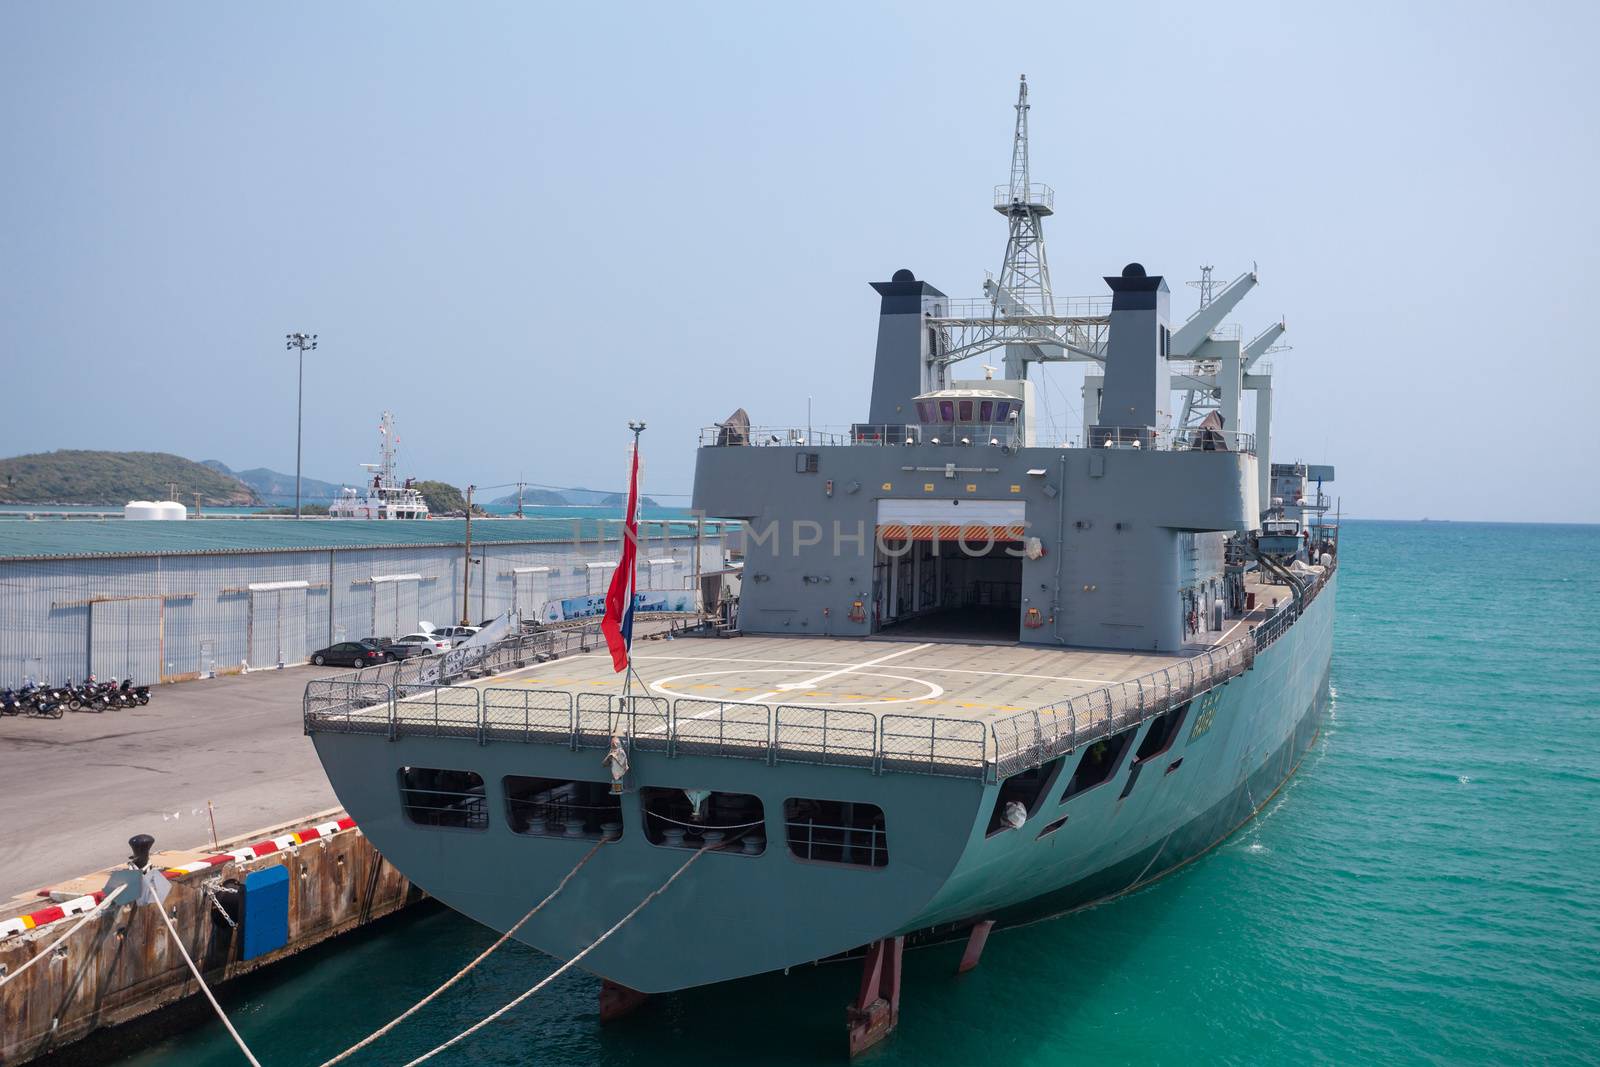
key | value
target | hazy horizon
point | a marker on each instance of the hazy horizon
(518, 228)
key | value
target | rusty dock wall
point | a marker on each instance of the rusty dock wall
(122, 966)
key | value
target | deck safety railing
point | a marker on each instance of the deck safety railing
(976, 435)
(788, 733)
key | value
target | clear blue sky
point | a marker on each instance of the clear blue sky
(519, 225)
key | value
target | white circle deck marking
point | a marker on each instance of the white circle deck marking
(933, 693)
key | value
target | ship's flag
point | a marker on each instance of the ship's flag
(618, 622)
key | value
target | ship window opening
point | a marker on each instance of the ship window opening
(986, 411)
(836, 831)
(1098, 764)
(1163, 731)
(1002, 410)
(966, 411)
(1025, 788)
(692, 818)
(444, 798)
(947, 411)
(560, 807)
(1051, 828)
(924, 411)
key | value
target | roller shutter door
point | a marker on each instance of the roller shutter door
(948, 520)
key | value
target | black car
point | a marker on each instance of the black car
(395, 651)
(351, 654)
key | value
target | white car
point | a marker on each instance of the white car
(455, 634)
(429, 644)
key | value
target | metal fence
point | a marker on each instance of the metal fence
(788, 733)
(971, 434)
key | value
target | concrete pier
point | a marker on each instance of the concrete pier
(121, 965)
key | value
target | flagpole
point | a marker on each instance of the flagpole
(627, 531)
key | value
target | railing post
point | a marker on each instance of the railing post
(991, 769)
(772, 735)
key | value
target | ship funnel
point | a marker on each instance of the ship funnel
(1136, 383)
(902, 370)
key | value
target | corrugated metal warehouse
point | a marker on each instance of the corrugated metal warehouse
(166, 601)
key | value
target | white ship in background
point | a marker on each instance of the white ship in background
(383, 496)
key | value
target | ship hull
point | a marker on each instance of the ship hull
(737, 915)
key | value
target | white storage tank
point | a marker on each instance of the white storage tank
(154, 510)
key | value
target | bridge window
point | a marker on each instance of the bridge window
(986, 411)
(434, 797)
(924, 411)
(695, 818)
(559, 807)
(947, 411)
(836, 831)
(966, 411)
(1002, 410)
(1098, 764)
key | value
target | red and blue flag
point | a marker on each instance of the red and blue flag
(618, 622)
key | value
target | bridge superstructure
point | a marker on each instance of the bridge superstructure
(1211, 362)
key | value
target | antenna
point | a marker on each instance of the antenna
(1206, 284)
(1024, 285)
(1198, 403)
(386, 444)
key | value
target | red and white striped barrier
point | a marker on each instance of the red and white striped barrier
(21, 924)
(44, 916)
(264, 848)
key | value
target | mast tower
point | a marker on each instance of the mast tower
(1023, 288)
(1024, 284)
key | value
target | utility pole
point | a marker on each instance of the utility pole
(466, 564)
(197, 505)
(303, 342)
(519, 498)
(172, 490)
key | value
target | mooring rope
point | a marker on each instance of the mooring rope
(370, 1038)
(565, 967)
(161, 909)
(91, 913)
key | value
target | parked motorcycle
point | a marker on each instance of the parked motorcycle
(136, 695)
(85, 697)
(115, 697)
(31, 700)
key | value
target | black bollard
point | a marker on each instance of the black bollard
(141, 845)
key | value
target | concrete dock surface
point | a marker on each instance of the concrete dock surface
(78, 787)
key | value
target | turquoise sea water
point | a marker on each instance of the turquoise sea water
(1425, 890)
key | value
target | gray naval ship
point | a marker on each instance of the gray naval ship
(967, 676)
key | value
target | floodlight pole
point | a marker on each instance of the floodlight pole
(301, 341)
